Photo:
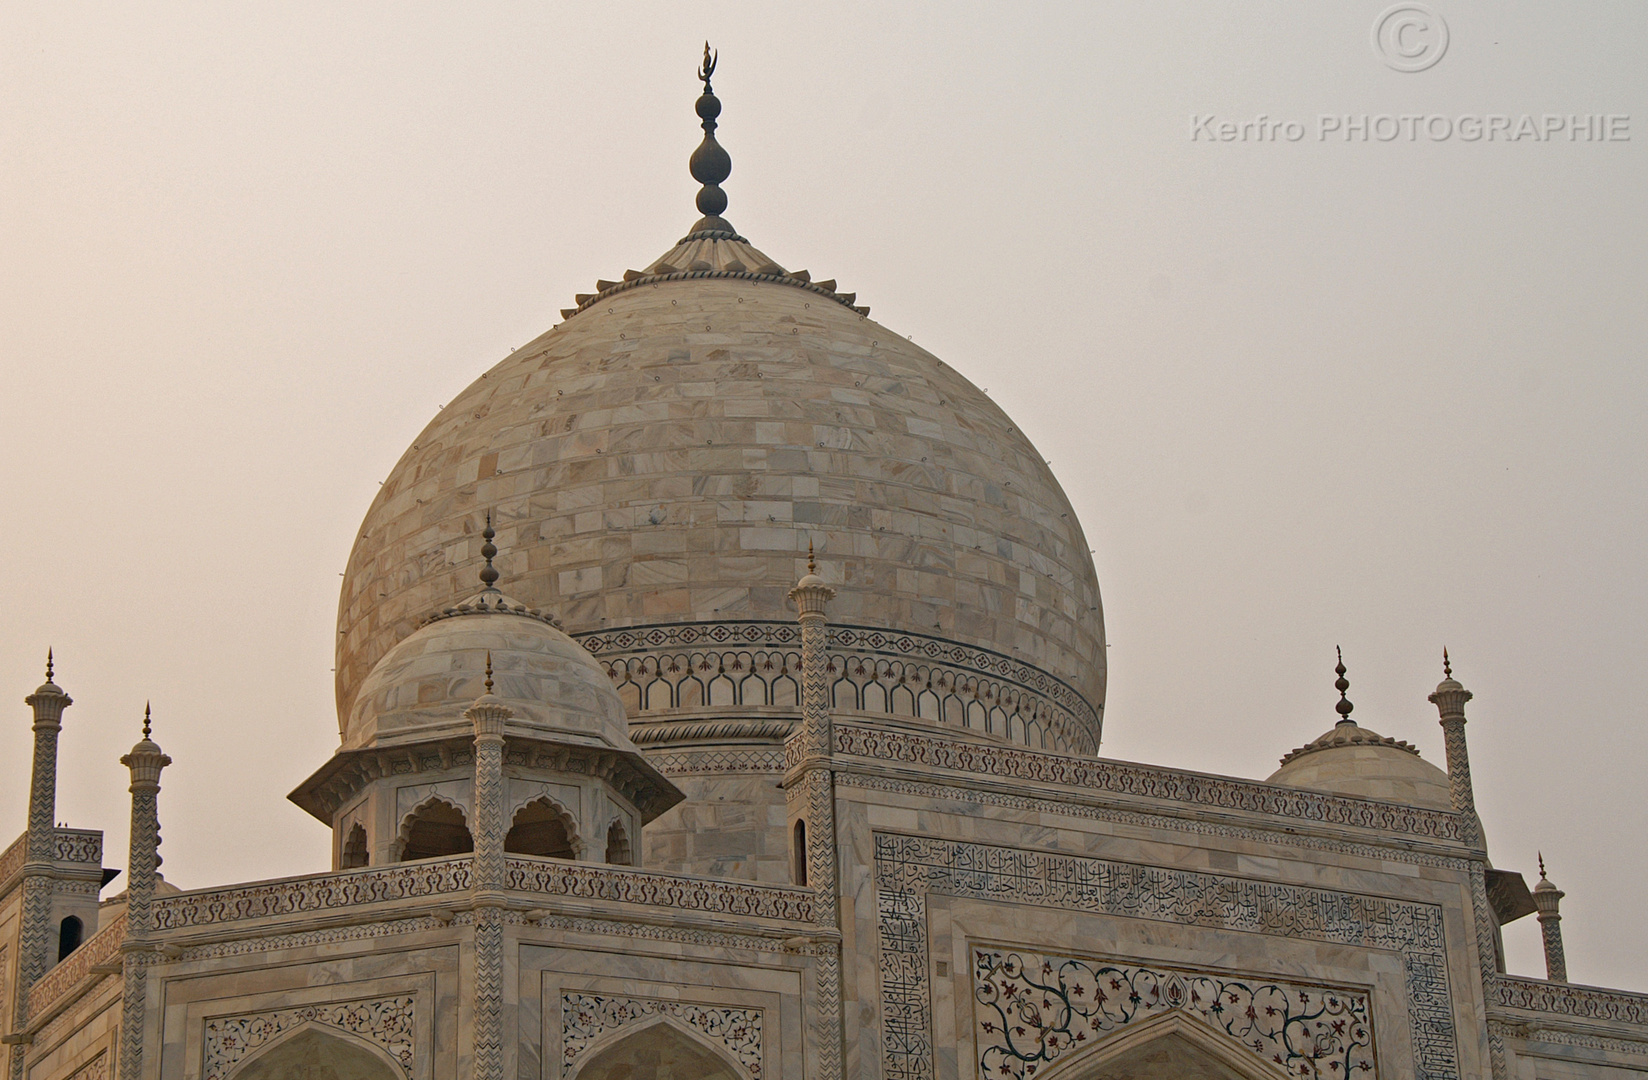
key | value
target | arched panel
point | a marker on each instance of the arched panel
(1173, 1046)
(318, 1053)
(659, 1048)
(434, 829)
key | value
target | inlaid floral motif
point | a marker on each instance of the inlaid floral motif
(1032, 1010)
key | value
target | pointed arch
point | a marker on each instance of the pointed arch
(658, 1045)
(545, 828)
(320, 1052)
(1174, 1044)
(354, 854)
(435, 828)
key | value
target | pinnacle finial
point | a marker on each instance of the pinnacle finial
(1343, 707)
(812, 567)
(489, 573)
(145, 719)
(707, 68)
(1542, 876)
(710, 164)
(48, 663)
(1447, 666)
(489, 671)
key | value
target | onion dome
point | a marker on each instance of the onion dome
(660, 460)
(1351, 760)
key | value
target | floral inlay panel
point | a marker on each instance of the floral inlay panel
(910, 868)
(1032, 1009)
(388, 1022)
(585, 1018)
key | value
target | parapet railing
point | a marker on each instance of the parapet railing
(435, 879)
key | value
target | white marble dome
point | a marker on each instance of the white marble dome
(1351, 760)
(421, 688)
(666, 454)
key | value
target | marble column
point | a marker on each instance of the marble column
(810, 781)
(487, 869)
(1449, 699)
(1548, 899)
(40, 860)
(143, 864)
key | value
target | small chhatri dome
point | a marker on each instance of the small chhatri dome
(1351, 760)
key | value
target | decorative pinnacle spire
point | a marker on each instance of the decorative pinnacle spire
(48, 663)
(489, 671)
(812, 567)
(1447, 667)
(710, 164)
(489, 573)
(1542, 876)
(1343, 707)
(145, 719)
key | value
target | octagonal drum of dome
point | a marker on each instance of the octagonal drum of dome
(657, 466)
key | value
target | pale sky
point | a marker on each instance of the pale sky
(1384, 394)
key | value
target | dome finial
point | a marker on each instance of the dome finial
(1447, 666)
(489, 573)
(710, 164)
(48, 663)
(1343, 707)
(145, 719)
(489, 671)
(1542, 876)
(812, 567)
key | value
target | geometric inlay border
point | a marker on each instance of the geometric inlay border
(909, 868)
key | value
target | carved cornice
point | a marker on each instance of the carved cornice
(351, 771)
(663, 732)
(1086, 775)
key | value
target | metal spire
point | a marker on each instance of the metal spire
(1447, 667)
(145, 719)
(48, 663)
(811, 566)
(710, 164)
(1542, 866)
(489, 671)
(1343, 707)
(489, 573)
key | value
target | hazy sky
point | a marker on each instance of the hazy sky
(1386, 394)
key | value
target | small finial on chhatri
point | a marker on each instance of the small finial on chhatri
(145, 719)
(1343, 707)
(489, 573)
(1447, 666)
(48, 663)
(812, 567)
(1542, 866)
(489, 671)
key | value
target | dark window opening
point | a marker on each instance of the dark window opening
(68, 936)
(618, 845)
(354, 850)
(800, 858)
(435, 830)
(540, 828)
